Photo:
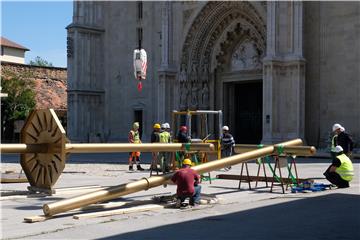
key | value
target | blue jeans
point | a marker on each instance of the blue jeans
(194, 198)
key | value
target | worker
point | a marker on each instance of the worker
(164, 157)
(187, 181)
(343, 139)
(227, 144)
(134, 137)
(155, 139)
(341, 171)
(182, 136)
(167, 128)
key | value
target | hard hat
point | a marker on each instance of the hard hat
(225, 128)
(163, 126)
(167, 125)
(136, 125)
(183, 128)
(156, 126)
(338, 149)
(336, 126)
(187, 162)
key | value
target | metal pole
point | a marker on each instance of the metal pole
(154, 181)
(106, 147)
(289, 150)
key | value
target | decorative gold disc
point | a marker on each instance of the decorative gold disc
(43, 169)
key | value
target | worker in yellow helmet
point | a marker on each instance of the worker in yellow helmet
(164, 157)
(187, 181)
(341, 171)
(134, 137)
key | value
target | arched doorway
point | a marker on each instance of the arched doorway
(221, 60)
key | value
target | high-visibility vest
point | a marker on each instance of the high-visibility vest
(346, 169)
(333, 145)
(164, 137)
(136, 136)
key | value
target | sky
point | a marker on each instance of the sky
(38, 26)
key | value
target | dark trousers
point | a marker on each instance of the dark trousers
(335, 178)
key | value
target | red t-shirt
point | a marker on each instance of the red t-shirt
(185, 179)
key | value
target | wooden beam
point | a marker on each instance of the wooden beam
(38, 218)
(255, 178)
(144, 208)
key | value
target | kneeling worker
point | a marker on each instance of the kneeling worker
(341, 170)
(187, 181)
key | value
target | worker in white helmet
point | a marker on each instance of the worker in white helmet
(341, 171)
(227, 144)
(342, 139)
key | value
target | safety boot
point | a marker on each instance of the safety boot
(138, 167)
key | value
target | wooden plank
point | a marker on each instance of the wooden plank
(255, 178)
(144, 208)
(38, 218)
(12, 177)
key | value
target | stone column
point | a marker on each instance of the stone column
(284, 73)
(167, 72)
(85, 72)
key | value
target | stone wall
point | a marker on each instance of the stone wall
(50, 83)
(332, 53)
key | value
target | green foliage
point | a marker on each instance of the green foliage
(38, 61)
(20, 100)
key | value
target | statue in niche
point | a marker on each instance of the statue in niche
(193, 74)
(194, 96)
(205, 95)
(182, 75)
(205, 73)
(183, 95)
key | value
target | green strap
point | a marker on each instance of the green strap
(280, 149)
(267, 158)
(293, 179)
(260, 145)
(207, 178)
(187, 147)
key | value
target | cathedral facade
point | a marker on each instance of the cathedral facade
(277, 70)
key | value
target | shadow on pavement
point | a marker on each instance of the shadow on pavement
(334, 216)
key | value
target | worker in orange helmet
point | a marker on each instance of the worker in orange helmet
(134, 137)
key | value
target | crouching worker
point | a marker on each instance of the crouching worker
(187, 181)
(341, 170)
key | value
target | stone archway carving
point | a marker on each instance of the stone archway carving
(217, 28)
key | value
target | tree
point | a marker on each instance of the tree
(18, 104)
(38, 61)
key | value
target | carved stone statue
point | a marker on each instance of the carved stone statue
(193, 74)
(183, 95)
(205, 95)
(205, 73)
(194, 96)
(183, 75)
